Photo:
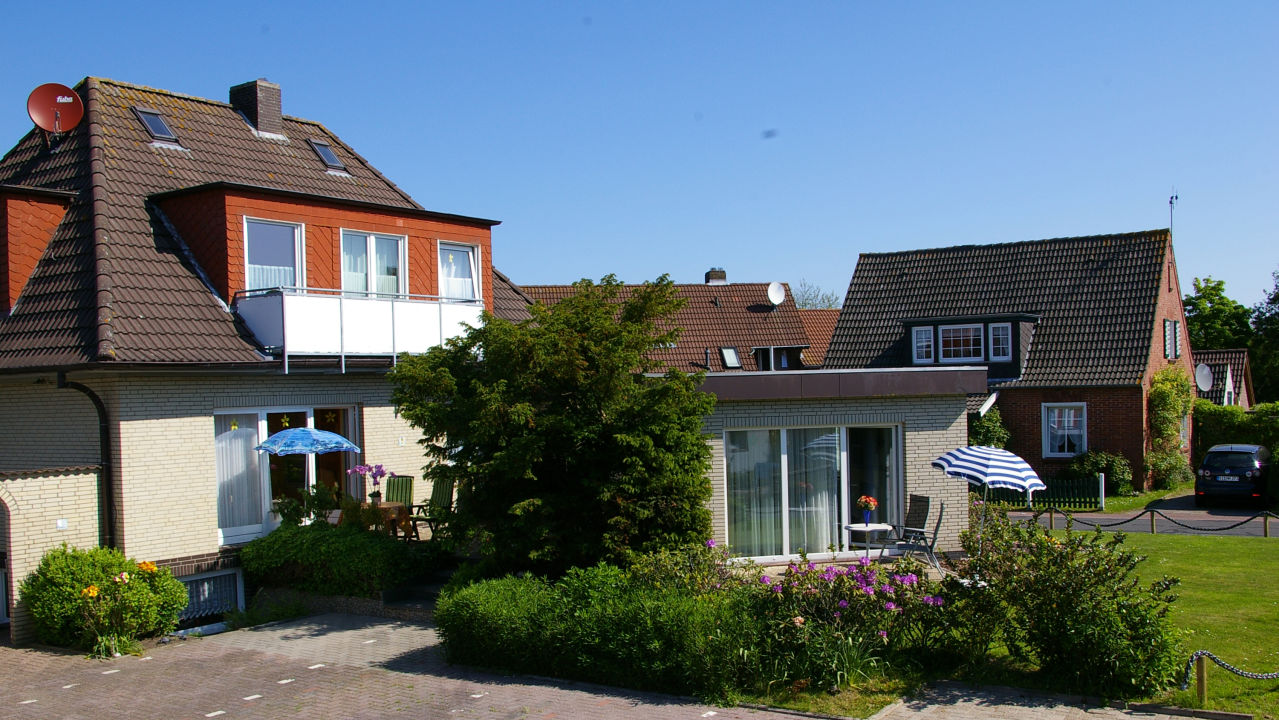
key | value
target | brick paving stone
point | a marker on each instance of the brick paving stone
(347, 666)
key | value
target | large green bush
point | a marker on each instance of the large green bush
(328, 560)
(1074, 606)
(1215, 424)
(1167, 468)
(99, 599)
(1115, 467)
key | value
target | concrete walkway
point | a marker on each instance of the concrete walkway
(347, 666)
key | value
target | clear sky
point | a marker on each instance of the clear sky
(776, 140)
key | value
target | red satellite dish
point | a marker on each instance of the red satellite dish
(55, 108)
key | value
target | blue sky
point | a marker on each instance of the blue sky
(776, 140)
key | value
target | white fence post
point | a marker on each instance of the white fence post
(1101, 490)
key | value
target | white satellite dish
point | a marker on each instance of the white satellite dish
(776, 293)
(1203, 377)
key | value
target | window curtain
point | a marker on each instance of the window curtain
(812, 461)
(387, 251)
(354, 263)
(456, 277)
(272, 255)
(238, 473)
(1065, 431)
(754, 492)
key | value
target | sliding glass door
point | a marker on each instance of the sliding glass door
(790, 489)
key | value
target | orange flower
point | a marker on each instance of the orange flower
(91, 591)
(147, 566)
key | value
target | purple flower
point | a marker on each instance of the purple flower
(883, 634)
(710, 543)
(764, 579)
(836, 613)
(843, 603)
(777, 588)
(890, 605)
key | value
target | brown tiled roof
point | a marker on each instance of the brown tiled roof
(1219, 361)
(1095, 298)
(510, 302)
(736, 315)
(819, 325)
(114, 284)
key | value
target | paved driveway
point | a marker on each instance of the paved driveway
(345, 666)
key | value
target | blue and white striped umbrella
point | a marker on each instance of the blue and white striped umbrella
(991, 468)
(304, 440)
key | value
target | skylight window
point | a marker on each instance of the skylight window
(155, 124)
(729, 356)
(325, 151)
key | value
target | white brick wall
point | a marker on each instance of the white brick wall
(930, 426)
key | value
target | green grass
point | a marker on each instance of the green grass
(1228, 605)
(1116, 504)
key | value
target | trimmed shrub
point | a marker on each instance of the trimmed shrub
(100, 600)
(509, 623)
(328, 560)
(1215, 424)
(1074, 606)
(1167, 468)
(1115, 467)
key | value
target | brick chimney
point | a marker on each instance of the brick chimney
(716, 276)
(259, 100)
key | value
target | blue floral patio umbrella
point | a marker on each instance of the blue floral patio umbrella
(303, 441)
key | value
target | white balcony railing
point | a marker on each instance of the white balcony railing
(309, 321)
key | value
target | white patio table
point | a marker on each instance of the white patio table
(869, 530)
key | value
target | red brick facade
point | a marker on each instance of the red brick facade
(212, 224)
(26, 226)
(1117, 416)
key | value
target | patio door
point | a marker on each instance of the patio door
(250, 481)
(872, 470)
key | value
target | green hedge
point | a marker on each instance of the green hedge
(328, 560)
(1216, 424)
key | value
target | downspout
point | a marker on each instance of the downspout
(106, 489)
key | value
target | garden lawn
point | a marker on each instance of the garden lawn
(1228, 605)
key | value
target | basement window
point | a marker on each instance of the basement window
(325, 151)
(155, 124)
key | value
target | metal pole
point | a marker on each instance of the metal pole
(1101, 490)
(1201, 679)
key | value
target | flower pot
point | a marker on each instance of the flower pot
(375, 497)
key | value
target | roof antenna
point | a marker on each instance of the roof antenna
(1172, 203)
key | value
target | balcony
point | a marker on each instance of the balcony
(309, 321)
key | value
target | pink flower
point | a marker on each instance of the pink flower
(710, 543)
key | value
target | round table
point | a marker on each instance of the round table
(869, 530)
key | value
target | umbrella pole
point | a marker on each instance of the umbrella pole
(981, 526)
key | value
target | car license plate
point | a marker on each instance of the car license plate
(1227, 478)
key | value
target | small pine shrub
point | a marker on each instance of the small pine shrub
(100, 600)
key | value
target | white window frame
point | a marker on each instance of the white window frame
(894, 511)
(925, 334)
(270, 520)
(370, 245)
(991, 342)
(299, 248)
(1046, 433)
(729, 356)
(476, 264)
(1172, 339)
(941, 344)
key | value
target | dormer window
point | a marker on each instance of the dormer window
(154, 122)
(1001, 342)
(327, 156)
(458, 271)
(922, 342)
(961, 343)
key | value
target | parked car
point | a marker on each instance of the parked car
(1235, 471)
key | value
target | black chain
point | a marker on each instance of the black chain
(1160, 514)
(1208, 529)
(1190, 665)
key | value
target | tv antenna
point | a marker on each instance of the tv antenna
(1172, 203)
(56, 109)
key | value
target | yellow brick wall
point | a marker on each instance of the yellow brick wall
(35, 503)
(42, 426)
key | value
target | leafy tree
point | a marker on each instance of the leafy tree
(812, 297)
(1265, 346)
(563, 450)
(988, 430)
(1214, 321)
